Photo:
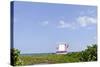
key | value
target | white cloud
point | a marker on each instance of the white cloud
(84, 21)
(81, 21)
(89, 28)
(91, 11)
(63, 24)
(45, 23)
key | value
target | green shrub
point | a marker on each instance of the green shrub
(90, 54)
(15, 60)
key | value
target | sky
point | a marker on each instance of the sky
(40, 27)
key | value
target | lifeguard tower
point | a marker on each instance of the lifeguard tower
(62, 48)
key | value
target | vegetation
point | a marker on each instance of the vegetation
(51, 58)
(15, 60)
(89, 54)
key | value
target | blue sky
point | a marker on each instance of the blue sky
(39, 27)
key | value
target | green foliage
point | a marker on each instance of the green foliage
(15, 60)
(90, 54)
(51, 58)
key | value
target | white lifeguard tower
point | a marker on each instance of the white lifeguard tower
(62, 48)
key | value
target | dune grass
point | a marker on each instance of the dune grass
(50, 59)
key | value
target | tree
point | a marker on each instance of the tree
(90, 54)
(15, 60)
